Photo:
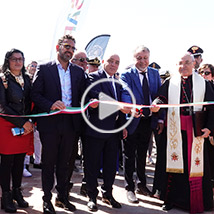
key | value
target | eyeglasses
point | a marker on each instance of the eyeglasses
(82, 59)
(206, 73)
(67, 46)
(13, 59)
(33, 66)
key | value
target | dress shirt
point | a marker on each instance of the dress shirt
(112, 83)
(65, 81)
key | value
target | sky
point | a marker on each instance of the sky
(167, 27)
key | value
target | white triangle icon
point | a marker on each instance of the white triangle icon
(105, 108)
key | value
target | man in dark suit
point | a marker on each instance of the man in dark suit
(144, 83)
(99, 144)
(56, 85)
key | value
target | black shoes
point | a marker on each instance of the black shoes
(83, 190)
(18, 197)
(64, 203)
(143, 190)
(60, 202)
(92, 205)
(111, 201)
(167, 206)
(48, 208)
(7, 203)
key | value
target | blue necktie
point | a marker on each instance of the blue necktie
(145, 86)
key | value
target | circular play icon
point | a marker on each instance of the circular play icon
(107, 106)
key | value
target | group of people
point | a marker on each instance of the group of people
(182, 156)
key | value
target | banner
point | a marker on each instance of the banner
(97, 46)
(72, 15)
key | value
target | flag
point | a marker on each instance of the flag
(97, 46)
(73, 12)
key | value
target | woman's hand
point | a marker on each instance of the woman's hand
(28, 127)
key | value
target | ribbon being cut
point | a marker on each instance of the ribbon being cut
(77, 110)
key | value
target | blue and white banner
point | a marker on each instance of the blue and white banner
(97, 46)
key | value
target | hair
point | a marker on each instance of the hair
(141, 48)
(6, 64)
(79, 52)
(60, 41)
(189, 54)
(33, 62)
(204, 66)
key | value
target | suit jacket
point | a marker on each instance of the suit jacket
(47, 89)
(131, 79)
(111, 122)
(14, 100)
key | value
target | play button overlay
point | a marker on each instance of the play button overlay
(106, 109)
(107, 106)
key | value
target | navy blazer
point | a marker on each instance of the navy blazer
(47, 90)
(130, 78)
(111, 122)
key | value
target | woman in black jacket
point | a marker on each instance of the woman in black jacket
(15, 87)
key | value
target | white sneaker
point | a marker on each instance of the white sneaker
(132, 197)
(26, 173)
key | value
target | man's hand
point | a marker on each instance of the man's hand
(137, 113)
(206, 132)
(155, 108)
(160, 127)
(58, 105)
(125, 133)
(94, 105)
(125, 109)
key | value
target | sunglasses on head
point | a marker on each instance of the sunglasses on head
(82, 59)
(206, 73)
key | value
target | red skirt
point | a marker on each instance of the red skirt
(10, 144)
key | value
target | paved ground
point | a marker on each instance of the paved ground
(33, 194)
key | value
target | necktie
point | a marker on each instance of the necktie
(112, 87)
(145, 86)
